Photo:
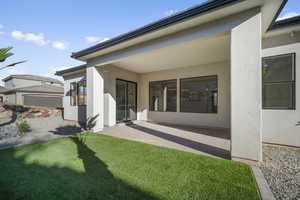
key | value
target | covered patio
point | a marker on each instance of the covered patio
(200, 140)
(201, 76)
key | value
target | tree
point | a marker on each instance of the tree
(4, 54)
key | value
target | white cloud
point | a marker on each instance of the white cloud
(38, 39)
(170, 12)
(1, 26)
(92, 39)
(59, 45)
(288, 15)
(17, 35)
(1, 33)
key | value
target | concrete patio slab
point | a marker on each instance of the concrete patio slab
(200, 140)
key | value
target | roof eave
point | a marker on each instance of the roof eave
(293, 21)
(179, 17)
(70, 70)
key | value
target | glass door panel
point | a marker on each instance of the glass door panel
(126, 100)
(121, 100)
(131, 101)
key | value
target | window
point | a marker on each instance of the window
(199, 95)
(278, 79)
(78, 93)
(73, 94)
(163, 96)
(82, 92)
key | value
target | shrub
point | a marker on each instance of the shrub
(23, 126)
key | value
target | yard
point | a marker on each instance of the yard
(103, 167)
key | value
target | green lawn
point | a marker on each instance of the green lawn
(103, 167)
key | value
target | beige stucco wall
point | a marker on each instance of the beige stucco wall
(76, 113)
(111, 74)
(10, 98)
(246, 135)
(279, 126)
(220, 119)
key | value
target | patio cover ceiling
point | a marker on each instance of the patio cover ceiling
(189, 53)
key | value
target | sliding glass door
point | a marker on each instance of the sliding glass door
(126, 100)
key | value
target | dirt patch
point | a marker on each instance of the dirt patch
(7, 111)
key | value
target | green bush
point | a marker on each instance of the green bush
(23, 126)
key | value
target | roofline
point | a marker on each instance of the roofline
(285, 22)
(30, 91)
(277, 14)
(14, 76)
(178, 17)
(25, 89)
(73, 69)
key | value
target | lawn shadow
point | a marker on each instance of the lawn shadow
(21, 179)
(209, 149)
(67, 130)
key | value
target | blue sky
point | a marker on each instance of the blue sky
(46, 32)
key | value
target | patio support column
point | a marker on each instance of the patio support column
(95, 97)
(246, 138)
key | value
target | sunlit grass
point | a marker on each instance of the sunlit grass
(103, 167)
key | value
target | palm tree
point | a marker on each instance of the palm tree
(4, 54)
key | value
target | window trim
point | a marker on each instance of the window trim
(180, 89)
(293, 82)
(149, 99)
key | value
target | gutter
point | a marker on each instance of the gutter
(285, 22)
(72, 69)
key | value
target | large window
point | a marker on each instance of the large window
(82, 92)
(78, 93)
(73, 94)
(199, 95)
(278, 77)
(163, 96)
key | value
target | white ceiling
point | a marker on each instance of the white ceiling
(190, 53)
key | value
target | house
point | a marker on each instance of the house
(223, 63)
(2, 89)
(32, 90)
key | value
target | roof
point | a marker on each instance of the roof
(72, 69)
(205, 7)
(178, 17)
(286, 22)
(45, 88)
(32, 77)
(2, 89)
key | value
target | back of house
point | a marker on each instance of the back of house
(225, 64)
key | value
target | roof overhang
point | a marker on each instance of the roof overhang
(284, 26)
(204, 13)
(71, 70)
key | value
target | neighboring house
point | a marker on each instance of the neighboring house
(2, 89)
(32, 90)
(224, 63)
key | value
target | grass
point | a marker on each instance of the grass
(103, 167)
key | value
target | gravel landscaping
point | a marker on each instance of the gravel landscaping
(9, 130)
(42, 129)
(281, 168)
